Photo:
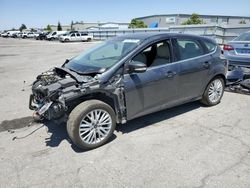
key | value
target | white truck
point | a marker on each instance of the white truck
(76, 37)
(29, 35)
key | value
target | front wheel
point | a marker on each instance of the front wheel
(91, 124)
(213, 92)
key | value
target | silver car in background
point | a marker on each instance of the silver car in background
(237, 51)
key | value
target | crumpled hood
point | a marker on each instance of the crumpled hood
(79, 78)
(83, 69)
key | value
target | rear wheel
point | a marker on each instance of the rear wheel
(89, 40)
(91, 124)
(66, 40)
(214, 92)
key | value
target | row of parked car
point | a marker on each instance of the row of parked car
(62, 36)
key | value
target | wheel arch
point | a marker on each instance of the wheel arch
(219, 75)
(109, 98)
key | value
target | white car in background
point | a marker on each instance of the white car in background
(4, 34)
(76, 37)
(54, 35)
(19, 35)
(9, 33)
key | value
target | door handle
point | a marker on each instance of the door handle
(206, 64)
(170, 74)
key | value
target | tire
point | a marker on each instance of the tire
(207, 97)
(66, 40)
(80, 114)
(89, 40)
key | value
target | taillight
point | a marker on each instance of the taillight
(227, 47)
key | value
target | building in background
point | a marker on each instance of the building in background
(92, 26)
(167, 20)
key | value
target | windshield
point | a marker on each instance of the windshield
(103, 56)
(243, 37)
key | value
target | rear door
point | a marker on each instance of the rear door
(78, 37)
(194, 67)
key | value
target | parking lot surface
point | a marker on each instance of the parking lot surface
(186, 146)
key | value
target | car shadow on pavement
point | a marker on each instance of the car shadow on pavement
(157, 117)
(58, 133)
(58, 130)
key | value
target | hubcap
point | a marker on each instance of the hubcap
(215, 91)
(95, 126)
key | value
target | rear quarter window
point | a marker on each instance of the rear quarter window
(189, 48)
(210, 46)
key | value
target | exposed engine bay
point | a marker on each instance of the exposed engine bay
(55, 90)
(238, 79)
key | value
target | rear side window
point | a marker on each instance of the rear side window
(210, 46)
(243, 37)
(189, 48)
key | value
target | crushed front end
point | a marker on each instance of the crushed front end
(53, 89)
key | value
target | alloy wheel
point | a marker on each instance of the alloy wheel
(215, 91)
(95, 126)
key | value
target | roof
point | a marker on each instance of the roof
(143, 36)
(113, 23)
(201, 15)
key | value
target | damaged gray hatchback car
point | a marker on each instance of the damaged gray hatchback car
(127, 77)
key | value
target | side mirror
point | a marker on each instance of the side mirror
(66, 61)
(137, 66)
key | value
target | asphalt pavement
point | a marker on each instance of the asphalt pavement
(186, 146)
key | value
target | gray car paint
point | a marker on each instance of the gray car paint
(137, 94)
(153, 91)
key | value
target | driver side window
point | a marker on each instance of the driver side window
(155, 55)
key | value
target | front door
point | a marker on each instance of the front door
(156, 88)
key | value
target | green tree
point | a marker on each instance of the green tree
(59, 27)
(193, 20)
(71, 25)
(23, 26)
(48, 28)
(137, 24)
(243, 22)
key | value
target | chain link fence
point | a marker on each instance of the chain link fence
(222, 34)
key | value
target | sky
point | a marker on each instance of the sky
(40, 13)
